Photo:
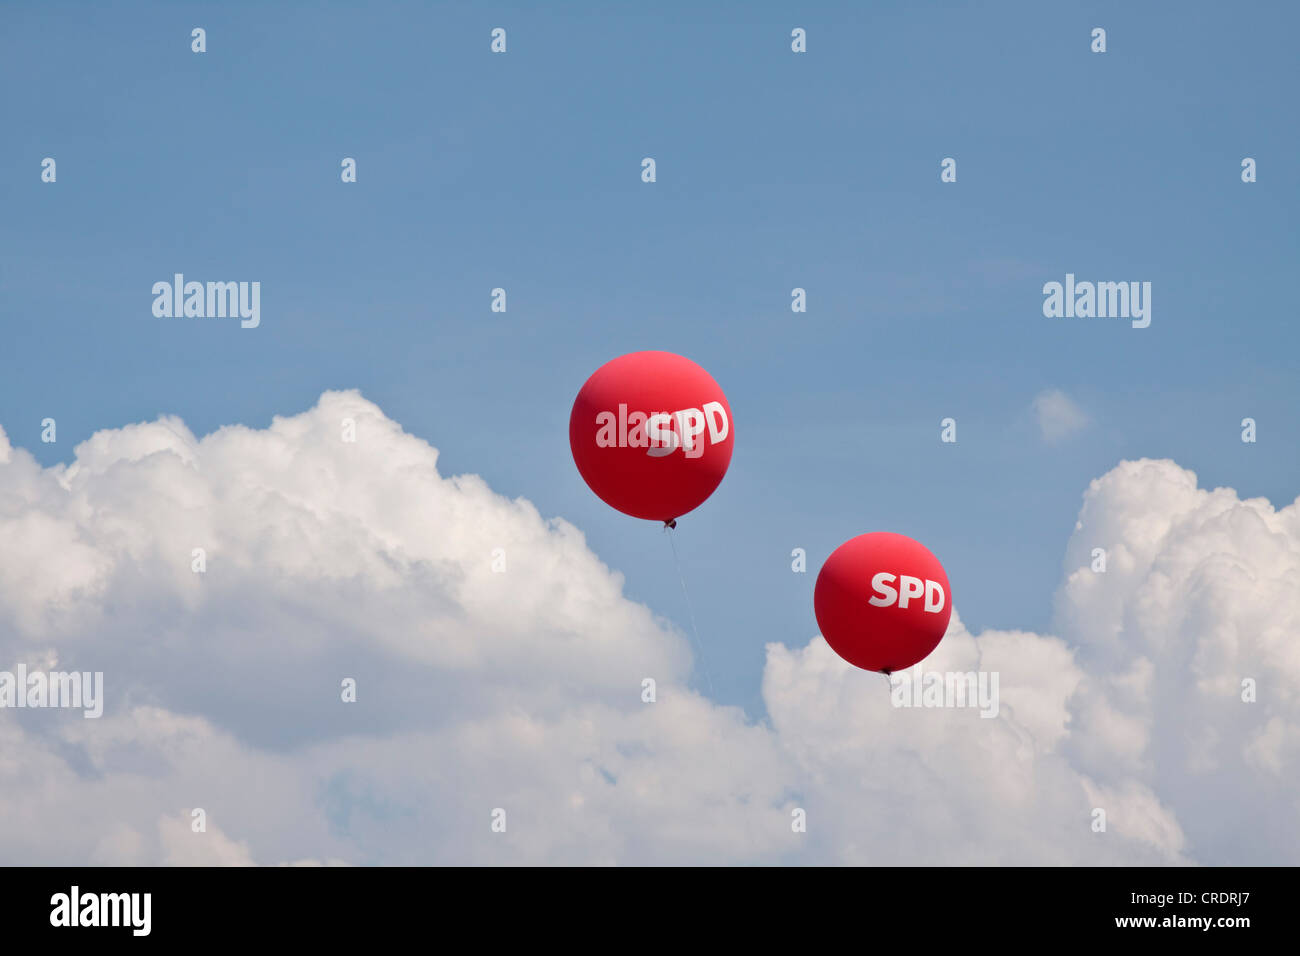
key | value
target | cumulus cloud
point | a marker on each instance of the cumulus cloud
(519, 687)
(1058, 416)
(1199, 607)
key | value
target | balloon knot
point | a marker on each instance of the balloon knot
(671, 524)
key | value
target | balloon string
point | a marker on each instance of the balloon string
(728, 760)
(690, 612)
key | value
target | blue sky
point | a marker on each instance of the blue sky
(775, 170)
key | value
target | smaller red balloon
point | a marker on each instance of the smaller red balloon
(882, 601)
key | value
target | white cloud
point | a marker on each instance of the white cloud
(1058, 416)
(522, 690)
(1201, 593)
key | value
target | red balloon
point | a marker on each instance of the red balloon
(651, 434)
(882, 601)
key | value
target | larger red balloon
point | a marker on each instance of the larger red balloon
(651, 434)
(882, 601)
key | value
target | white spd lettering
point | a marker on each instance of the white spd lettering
(909, 588)
(662, 433)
